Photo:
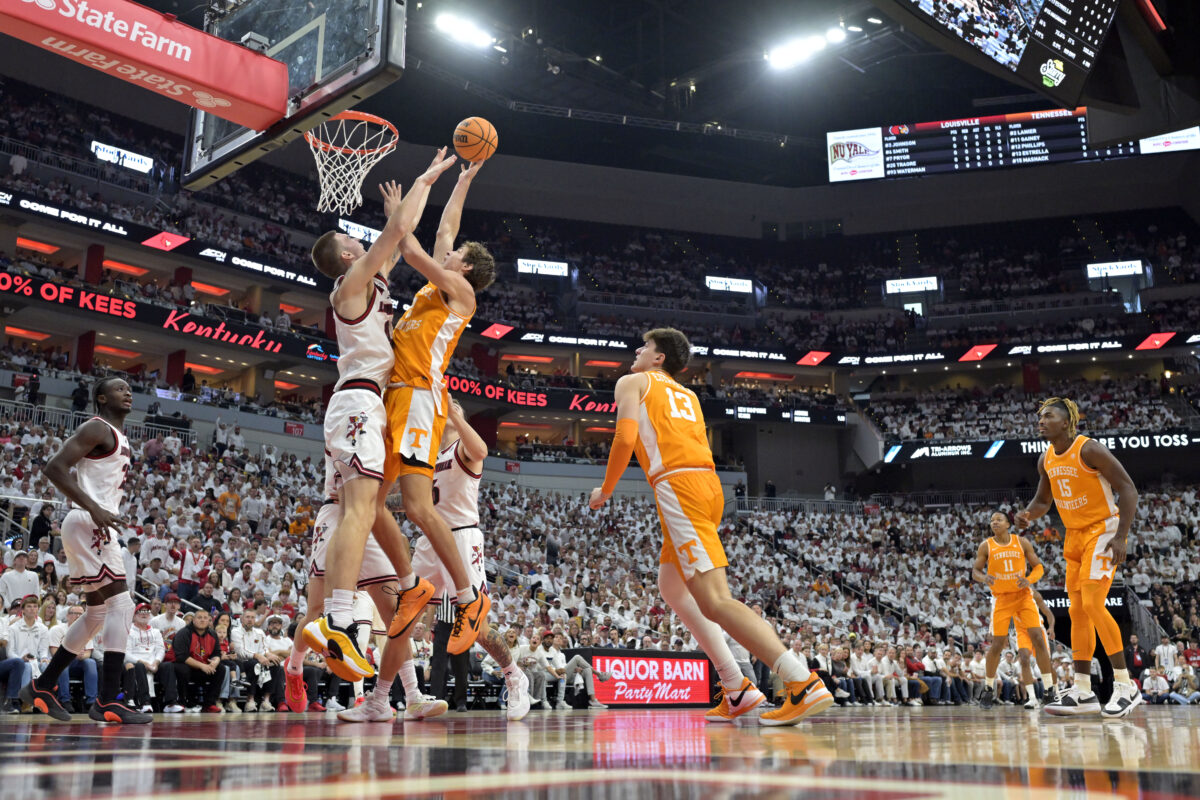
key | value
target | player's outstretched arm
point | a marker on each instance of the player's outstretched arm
(471, 445)
(447, 230)
(456, 287)
(628, 394)
(90, 435)
(403, 216)
(979, 568)
(1041, 501)
(1098, 457)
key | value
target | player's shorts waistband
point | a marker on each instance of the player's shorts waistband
(465, 528)
(360, 383)
(657, 479)
(1115, 518)
(329, 501)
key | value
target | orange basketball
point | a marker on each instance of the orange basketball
(475, 139)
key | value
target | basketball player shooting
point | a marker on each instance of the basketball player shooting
(1079, 475)
(660, 420)
(99, 454)
(355, 421)
(1000, 563)
(417, 399)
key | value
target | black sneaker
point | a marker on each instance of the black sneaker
(44, 701)
(117, 712)
(987, 698)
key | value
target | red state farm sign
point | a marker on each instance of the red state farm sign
(644, 680)
(157, 52)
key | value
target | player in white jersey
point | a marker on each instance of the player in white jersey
(456, 497)
(355, 421)
(99, 453)
(376, 576)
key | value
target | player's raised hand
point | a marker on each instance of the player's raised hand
(469, 171)
(392, 195)
(1023, 520)
(597, 499)
(441, 162)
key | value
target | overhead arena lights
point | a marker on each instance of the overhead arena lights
(465, 31)
(795, 51)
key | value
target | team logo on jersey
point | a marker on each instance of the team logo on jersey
(99, 539)
(355, 426)
(476, 555)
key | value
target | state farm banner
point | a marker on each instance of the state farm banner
(175, 320)
(650, 677)
(157, 52)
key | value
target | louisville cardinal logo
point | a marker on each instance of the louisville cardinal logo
(355, 427)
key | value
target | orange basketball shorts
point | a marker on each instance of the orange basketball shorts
(690, 505)
(1010, 606)
(1088, 554)
(415, 423)
(1025, 643)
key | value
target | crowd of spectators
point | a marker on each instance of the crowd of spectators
(1003, 411)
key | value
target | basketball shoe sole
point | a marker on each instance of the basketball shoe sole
(44, 702)
(409, 605)
(803, 699)
(469, 620)
(747, 698)
(342, 655)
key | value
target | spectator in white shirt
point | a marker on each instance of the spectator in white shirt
(84, 666)
(1164, 655)
(157, 577)
(169, 623)
(1155, 688)
(566, 671)
(256, 660)
(28, 645)
(143, 655)
(18, 582)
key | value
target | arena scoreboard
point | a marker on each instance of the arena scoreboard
(972, 143)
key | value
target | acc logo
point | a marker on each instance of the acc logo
(214, 254)
(534, 337)
(1021, 350)
(209, 101)
(848, 151)
(898, 130)
(1052, 72)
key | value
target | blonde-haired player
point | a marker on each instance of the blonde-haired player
(1000, 562)
(417, 399)
(1079, 475)
(660, 420)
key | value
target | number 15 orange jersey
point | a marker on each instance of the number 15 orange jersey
(671, 433)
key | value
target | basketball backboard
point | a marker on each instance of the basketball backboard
(338, 52)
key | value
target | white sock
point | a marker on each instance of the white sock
(408, 677)
(383, 690)
(1120, 676)
(730, 675)
(1048, 680)
(790, 668)
(358, 688)
(1083, 682)
(340, 607)
(510, 672)
(1029, 690)
(466, 595)
(991, 683)
(407, 582)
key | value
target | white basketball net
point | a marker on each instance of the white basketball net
(346, 147)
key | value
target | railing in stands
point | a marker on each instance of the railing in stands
(106, 173)
(52, 416)
(807, 505)
(1141, 619)
(972, 497)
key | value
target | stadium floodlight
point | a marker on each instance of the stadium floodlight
(854, 29)
(795, 51)
(835, 35)
(461, 30)
(875, 20)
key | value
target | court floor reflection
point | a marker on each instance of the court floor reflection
(900, 753)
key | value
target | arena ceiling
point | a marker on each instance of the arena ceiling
(651, 54)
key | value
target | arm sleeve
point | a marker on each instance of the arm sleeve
(1037, 573)
(619, 453)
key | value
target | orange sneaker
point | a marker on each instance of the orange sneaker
(732, 705)
(801, 699)
(469, 620)
(409, 605)
(295, 691)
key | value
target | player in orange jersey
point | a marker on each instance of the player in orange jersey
(1000, 563)
(1079, 475)
(417, 400)
(660, 420)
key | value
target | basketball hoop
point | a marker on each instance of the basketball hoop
(346, 146)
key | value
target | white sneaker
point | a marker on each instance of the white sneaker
(518, 697)
(428, 706)
(1071, 703)
(193, 710)
(1032, 702)
(1125, 698)
(594, 703)
(334, 705)
(561, 706)
(231, 706)
(266, 705)
(841, 694)
(147, 709)
(251, 706)
(370, 711)
(174, 708)
(914, 702)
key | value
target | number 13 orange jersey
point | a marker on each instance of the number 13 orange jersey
(671, 433)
